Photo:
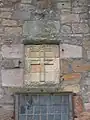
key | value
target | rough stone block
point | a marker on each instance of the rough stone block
(80, 28)
(61, 5)
(79, 9)
(87, 107)
(33, 28)
(26, 1)
(67, 18)
(88, 54)
(13, 31)
(1, 30)
(87, 81)
(6, 22)
(70, 51)
(72, 76)
(21, 15)
(66, 29)
(12, 63)
(6, 114)
(83, 17)
(81, 68)
(78, 105)
(76, 3)
(86, 43)
(13, 51)
(5, 15)
(12, 77)
(72, 88)
(26, 7)
(68, 66)
(11, 39)
(66, 11)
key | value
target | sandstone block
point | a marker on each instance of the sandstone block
(5, 14)
(88, 54)
(8, 22)
(66, 29)
(12, 77)
(80, 28)
(13, 51)
(79, 9)
(67, 18)
(26, 1)
(70, 51)
(73, 88)
(13, 31)
(61, 5)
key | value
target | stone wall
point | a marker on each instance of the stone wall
(73, 28)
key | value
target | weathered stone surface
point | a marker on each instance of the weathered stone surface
(12, 63)
(72, 76)
(74, 66)
(1, 30)
(86, 43)
(11, 39)
(13, 31)
(61, 5)
(66, 29)
(26, 7)
(67, 18)
(88, 54)
(13, 51)
(66, 51)
(87, 107)
(12, 77)
(6, 9)
(40, 28)
(73, 88)
(80, 28)
(68, 65)
(79, 9)
(21, 15)
(83, 17)
(5, 14)
(26, 1)
(7, 22)
(76, 3)
(78, 105)
(68, 12)
(5, 114)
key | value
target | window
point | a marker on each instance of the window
(44, 106)
(42, 63)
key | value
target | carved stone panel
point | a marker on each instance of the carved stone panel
(42, 63)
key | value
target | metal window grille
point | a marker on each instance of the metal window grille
(44, 107)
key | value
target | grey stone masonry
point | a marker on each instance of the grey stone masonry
(68, 21)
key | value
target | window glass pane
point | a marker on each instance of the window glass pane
(30, 117)
(44, 107)
(43, 117)
(37, 110)
(22, 117)
(58, 117)
(50, 117)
